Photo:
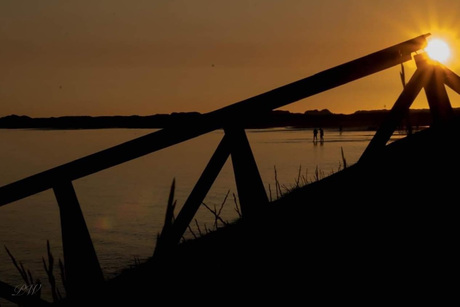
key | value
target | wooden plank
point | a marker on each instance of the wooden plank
(436, 94)
(325, 80)
(451, 79)
(251, 191)
(83, 272)
(198, 194)
(99, 161)
(243, 111)
(397, 112)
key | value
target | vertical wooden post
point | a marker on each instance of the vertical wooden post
(196, 197)
(436, 94)
(402, 104)
(83, 272)
(251, 191)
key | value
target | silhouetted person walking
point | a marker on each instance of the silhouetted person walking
(321, 134)
(315, 135)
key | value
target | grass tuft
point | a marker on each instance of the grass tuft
(48, 265)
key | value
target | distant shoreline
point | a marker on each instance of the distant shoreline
(362, 120)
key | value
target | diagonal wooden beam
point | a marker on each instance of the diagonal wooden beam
(397, 112)
(451, 79)
(435, 90)
(244, 111)
(82, 269)
(197, 195)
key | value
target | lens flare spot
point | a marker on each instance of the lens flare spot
(438, 50)
(104, 223)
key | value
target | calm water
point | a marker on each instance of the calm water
(124, 206)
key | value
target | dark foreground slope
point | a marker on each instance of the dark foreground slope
(376, 230)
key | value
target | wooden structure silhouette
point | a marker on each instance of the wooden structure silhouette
(81, 263)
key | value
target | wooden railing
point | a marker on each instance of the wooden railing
(81, 264)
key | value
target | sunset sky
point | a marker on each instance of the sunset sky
(119, 57)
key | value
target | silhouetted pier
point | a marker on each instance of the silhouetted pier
(81, 263)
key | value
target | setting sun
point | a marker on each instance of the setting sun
(438, 50)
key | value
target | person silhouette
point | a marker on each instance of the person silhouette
(315, 135)
(321, 134)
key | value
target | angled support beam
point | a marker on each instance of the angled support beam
(451, 79)
(436, 94)
(197, 196)
(397, 112)
(251, 191)
(82, 269)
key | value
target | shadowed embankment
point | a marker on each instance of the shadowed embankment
(379, 228)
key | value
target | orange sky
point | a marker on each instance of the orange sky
(113, 57)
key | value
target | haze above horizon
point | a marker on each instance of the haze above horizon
(139, 58)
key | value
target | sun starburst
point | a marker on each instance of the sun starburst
(438, 50)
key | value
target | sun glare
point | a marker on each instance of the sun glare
(438, 50)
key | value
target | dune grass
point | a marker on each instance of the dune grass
(303, 178)
(200, 229)
(33, 286)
